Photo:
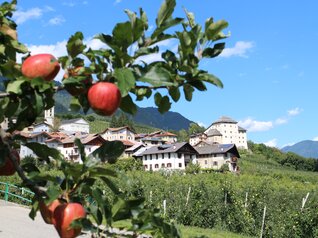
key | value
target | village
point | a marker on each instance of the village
(217, 146)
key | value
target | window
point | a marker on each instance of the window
(162, 165)
(205, 161)
(169, 155)
(180, 165)
(179, 155)
(156, 166)
(169, 165)
(215, 163)
(146, 166)
(156, 156)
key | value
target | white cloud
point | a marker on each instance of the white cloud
(69, 4)
(33, 13)
(280, 121)
(240, 49)
(201, 124)
(56, 20)
(294, 111)
(23, 16)
(271, 143)
(252, 125)
(315, 139)
(117, 1)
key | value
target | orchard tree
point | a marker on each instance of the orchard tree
(116, 76)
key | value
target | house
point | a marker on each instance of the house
(42, 126)
(75, 125)
(69, 149)
(166, 136)
(214, 156)
(39, 137)
(225, 130)
(152, 141)
(130, 151)
(169, 156)
(119, 133)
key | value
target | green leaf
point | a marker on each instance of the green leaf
(112, 186)
(122, 35)
(188, 90)
(213, 52)
(165, 11)
(43, 151)
(213, 30)
(75, 105)
(167, 24)
(158, 76)
(125, 80)
(127, 105)
(190, 17)
(11, 108)
(81, 149)
(174, 92)
(157, 98)
(210, 78)
(100, 171)
(15, 86)
(75, 44)
(163, 103)
(198, 84)
(109, 151)
(35, 207)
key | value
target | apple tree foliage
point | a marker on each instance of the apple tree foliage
(121, 62)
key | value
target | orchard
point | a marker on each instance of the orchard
(104, 80)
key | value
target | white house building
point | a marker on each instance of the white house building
(119, 133)
(225, 130)
(169, 156)
(214, 156)
(75, 125)
(39, 137)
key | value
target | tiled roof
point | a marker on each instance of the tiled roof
(168, 148)
(216, 149)
(213, 132)
(224, 119)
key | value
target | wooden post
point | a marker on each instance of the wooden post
(188, 196)
(150, 196)
(304, 202)
(263, 222)
(225, 198)
(246, 195)
(164, 207)
(6, 192)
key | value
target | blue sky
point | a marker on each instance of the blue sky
(269, 67)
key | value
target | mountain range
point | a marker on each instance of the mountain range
(305, 148)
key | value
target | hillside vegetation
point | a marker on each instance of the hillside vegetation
(232, 202)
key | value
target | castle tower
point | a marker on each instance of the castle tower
(49, 116)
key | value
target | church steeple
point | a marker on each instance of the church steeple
(49, 116)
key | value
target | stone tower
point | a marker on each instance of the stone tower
(49, 116)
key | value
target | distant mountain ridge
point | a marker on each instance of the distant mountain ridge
(306, 148)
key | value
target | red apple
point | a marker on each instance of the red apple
(104, 98)
(7, 169)
(48, 210)
(64, 215)
(77, 90)
(41, 65)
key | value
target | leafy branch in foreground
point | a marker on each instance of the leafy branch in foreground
(121, 63)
